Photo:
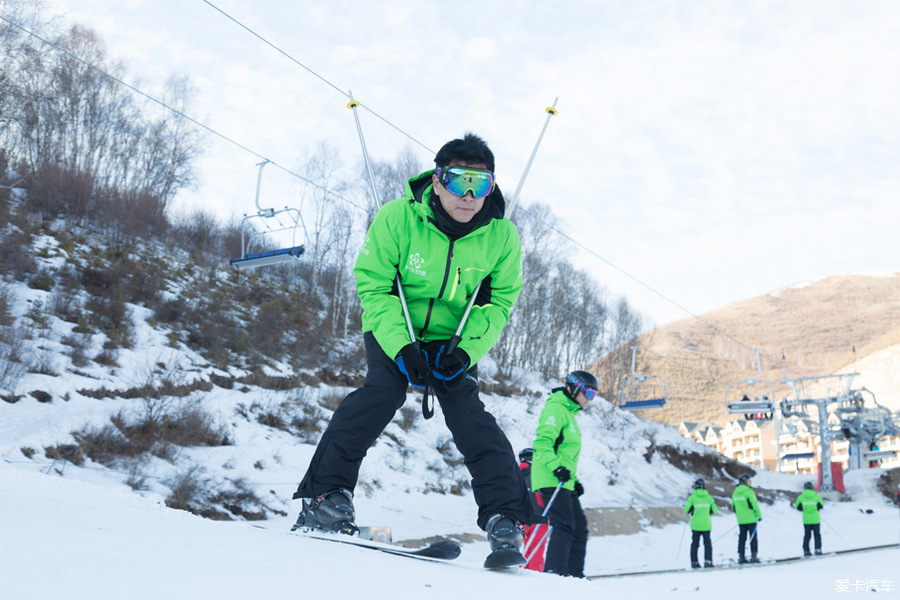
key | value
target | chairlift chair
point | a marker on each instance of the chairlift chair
(265, 257)
(746, 406)
(634, 387)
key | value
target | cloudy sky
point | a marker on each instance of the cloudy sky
(704, 152)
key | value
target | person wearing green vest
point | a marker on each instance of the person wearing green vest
(746, 509)
(810, 503)
(445, 239)
(557, 445)
(701, 506)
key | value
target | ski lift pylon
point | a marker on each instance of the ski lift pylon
(630, 393)
(252, 260)
(745, 405)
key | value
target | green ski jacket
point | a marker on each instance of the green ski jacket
(745, 505)
(438, 275)
(557, 442)
(701, 506)
(810, 503)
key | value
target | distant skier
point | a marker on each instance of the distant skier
(447, 235)
(810, 503)
(746, 509)
(557, 445)
(747, 416)
(535, 543)
(701, 506)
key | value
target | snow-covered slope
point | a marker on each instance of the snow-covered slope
(80, 532)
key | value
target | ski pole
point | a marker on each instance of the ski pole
(427, 411)
(833, 530)
(723, 535)
(537, 546)
(753, 533)
(681, 542)
(457, 337)
(543, 515)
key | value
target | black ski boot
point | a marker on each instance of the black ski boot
(754, 559)
(708, 564)
(505, 537)
(695, 564)
(332, 512)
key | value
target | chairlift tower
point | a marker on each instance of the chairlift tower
(863, 425)
(798, 406)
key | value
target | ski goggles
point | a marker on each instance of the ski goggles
(589, 392)
(460, 181)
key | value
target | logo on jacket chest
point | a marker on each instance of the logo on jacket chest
(415, 264)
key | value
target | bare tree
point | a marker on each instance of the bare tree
(322, 165)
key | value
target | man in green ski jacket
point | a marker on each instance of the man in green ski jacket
(444, 237)
(746, 509)
(557, 445)
(810, 503)
(701, 506)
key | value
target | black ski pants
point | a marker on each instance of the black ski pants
(357, 422)
(568, 540)
(812, 531)
(695, 547)
(748, 530)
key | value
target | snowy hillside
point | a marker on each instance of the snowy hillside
(101, 530)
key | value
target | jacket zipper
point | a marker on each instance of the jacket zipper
(440, 293)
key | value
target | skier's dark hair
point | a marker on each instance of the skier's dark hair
(471, 150)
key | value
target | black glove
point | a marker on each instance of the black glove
(579, 489)
(449, 368)
(562, 473)
(412, 364)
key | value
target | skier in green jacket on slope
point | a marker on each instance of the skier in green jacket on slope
(444, 237)
(701, 506)
(557, 445)
(810, 503)
(746, 509)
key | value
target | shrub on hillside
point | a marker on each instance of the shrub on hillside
(15, 254)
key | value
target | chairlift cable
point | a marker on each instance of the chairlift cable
(313, 73)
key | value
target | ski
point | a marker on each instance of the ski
(504, 558)
(737, 565)
(441, 551)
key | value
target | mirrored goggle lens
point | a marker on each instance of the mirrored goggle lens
(460, 181)
(589, 393)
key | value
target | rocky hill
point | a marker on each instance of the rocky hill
(847, 323)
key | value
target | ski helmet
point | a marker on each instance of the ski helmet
(808, 485)
(579, 381)
(526, 454)
(743, 478)
(699, 484)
